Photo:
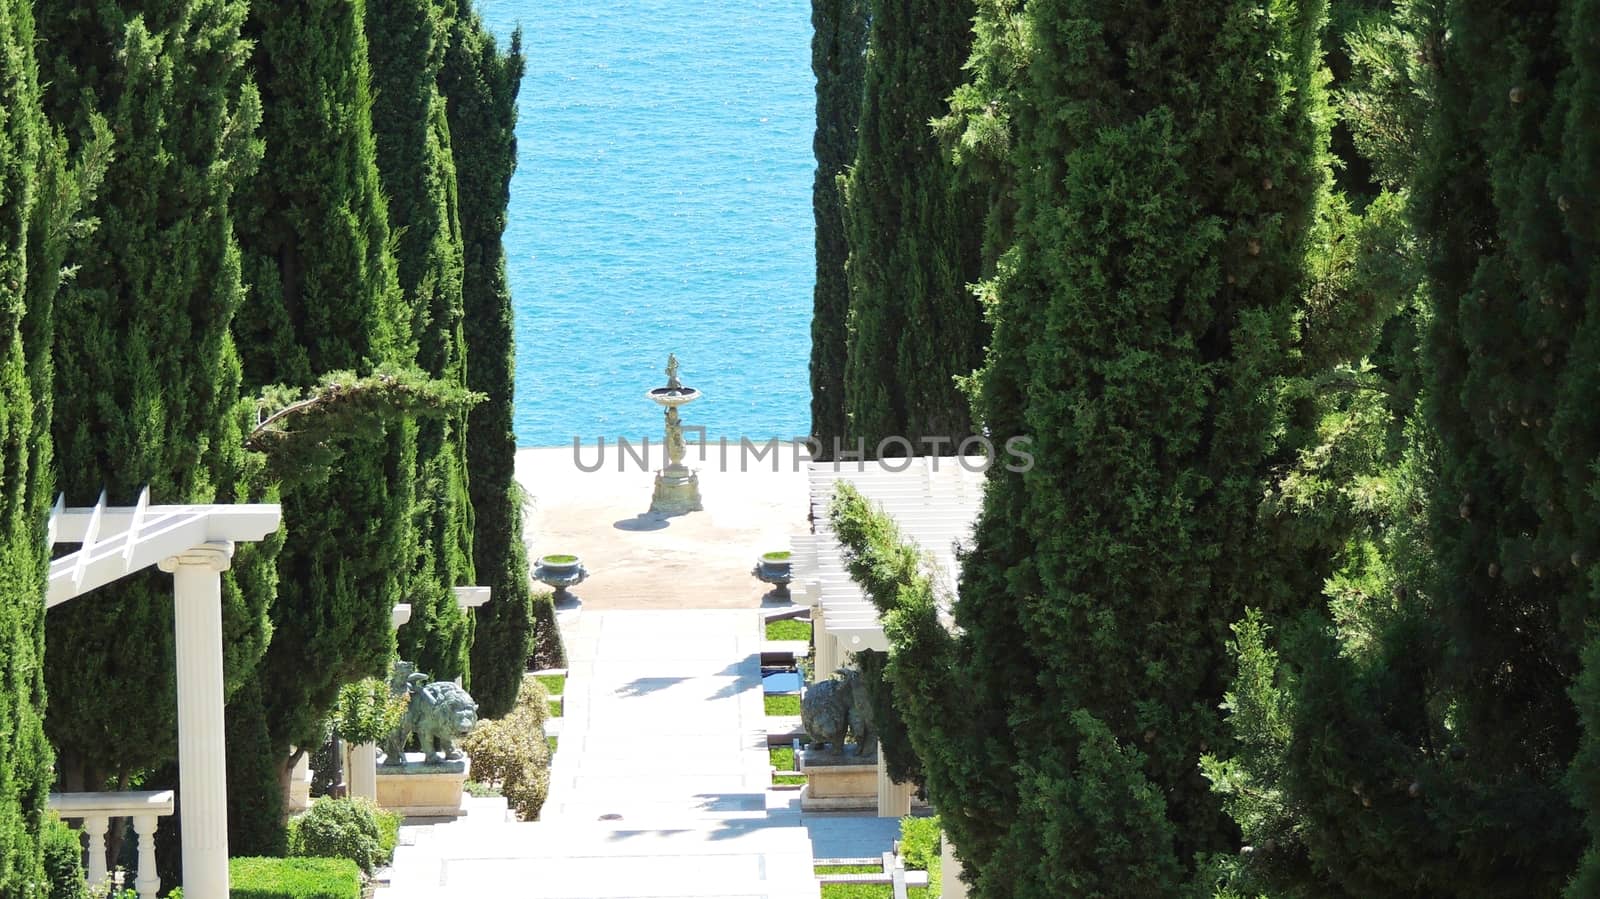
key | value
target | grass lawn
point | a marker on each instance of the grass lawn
(782, 704)
(783, 761)
(555, 707)
(789, 629)
(861, 890)
(480, 790)
(552, 741)
(554, 684)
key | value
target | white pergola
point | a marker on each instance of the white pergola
(934, 500)
(194, 543)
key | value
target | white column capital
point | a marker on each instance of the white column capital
(215, 555)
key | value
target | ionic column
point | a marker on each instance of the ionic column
(202, 744)
(894, 799)
(148, 883)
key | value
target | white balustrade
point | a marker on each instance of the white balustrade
(96, 810)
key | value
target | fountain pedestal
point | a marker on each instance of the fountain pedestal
(677, 491)
(677, 486)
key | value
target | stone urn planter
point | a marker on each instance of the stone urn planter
(776, 569)
(560, 572)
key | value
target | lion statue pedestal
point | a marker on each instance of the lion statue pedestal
(836, 783)
(420, 790)
(426, 784)
(844, 777)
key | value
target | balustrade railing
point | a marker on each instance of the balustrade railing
(96, 811)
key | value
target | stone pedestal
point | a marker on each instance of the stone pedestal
(837, 783)
(423, 791)
(677, 491)
(300, 785)
(361, 771)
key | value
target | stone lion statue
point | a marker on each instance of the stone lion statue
(832, 709)
(437, 713)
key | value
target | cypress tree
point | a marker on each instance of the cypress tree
(407, 39)
(1165, 162)
(1511, 356)
(324, 298)
(480, 85)
(1425, 750)
(28, 158)
(838, 57)
(914, 236)
(147, 376)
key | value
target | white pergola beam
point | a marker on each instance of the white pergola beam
(242, 523)
(98, 564)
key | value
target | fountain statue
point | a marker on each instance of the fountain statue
(677, 487)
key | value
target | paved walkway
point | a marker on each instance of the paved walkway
(663, 726)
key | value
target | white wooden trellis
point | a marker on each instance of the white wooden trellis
(195, 544)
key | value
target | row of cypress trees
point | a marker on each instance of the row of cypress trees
(40, 194)
(1294, 302)
(895, 324)
(272, 225)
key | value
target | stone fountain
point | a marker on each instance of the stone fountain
(677, 487)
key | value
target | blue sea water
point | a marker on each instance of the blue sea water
(662, 203)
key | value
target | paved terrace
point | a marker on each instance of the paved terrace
(639, 560)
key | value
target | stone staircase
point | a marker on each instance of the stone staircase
(658, 788)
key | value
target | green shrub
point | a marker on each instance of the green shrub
(548, 649)
(388, 834)
(919, 846)
(294, 878)
(533, 700)
(512, 753)
(340, 828)
(368, 711)
(63, 860)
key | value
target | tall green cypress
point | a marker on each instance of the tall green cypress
(1436, 749)
(324, 297)
(1165, 162)
(28, 157)
(914, 235)
(1437, 763)
(407, 39)
(147, 376)
(480, 85)
(838, 58)
(1511, 356)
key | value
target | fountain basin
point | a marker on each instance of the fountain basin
(673, 396)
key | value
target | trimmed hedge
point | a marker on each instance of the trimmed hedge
(294, 878)
(919, 846)
(351, 828)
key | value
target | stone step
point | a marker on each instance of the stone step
(727, 857)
